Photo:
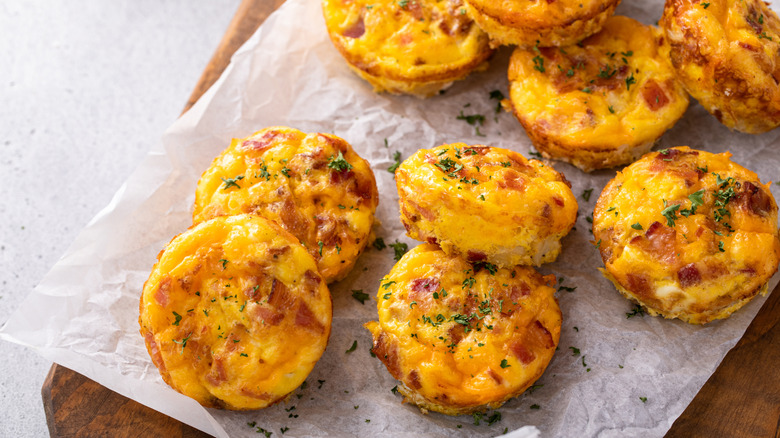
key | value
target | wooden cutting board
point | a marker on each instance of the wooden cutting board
(741, 399)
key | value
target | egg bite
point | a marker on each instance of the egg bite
(540, 23)
(727, 54)
(313, 185)
(687, 234)
(234, 313)
(416, 47)
(462, 337)
(598, 104)
(485, 204)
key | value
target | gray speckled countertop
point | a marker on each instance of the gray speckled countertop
(86, 87)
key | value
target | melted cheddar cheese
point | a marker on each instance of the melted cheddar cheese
(540, 23)
(462, 338)
(313, 185)
(410, 46)
(598, 104)
(485, 203)
(687, 234)
(234, 313)
(728, 56)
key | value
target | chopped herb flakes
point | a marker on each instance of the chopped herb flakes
(232, 182)
(339, 163)
(360, 296)
(394, 166)
(586, 194)
(352, 348)
(379, 244)
(400, 248)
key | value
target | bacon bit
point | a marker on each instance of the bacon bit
(512, 180)
(280, 298)
(748, 47)
(689, 275)
(312, 279)
(522, 353)
(341, 176)
(185, 282)
(256, 395)
(654, 95)
(276, 252)
(217, 375)
(264, 142)
(253, 291)
(538, 335)
(426, 213)
(405, 39)
(495, 376)
(639, 284)
(755, 199)
(161, 296)
(659, 241)
(268, 316)
(154, 352)
(456, 333)
(413, 7)
(387, 352)
(305, 318)
(327, 231)
(476, 256)
(431, 240)
(519, 292)
(546, 211)
(558, 201)
(422, 291)
(548, 52)
(356, 30)
(414, 380)
(292, 220)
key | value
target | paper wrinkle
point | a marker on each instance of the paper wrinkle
(84, 314)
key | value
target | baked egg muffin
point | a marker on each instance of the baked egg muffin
(416, 47)
(530, 23)
(727, 53)
(234, 313)
(598, 104)
(313, 185)
(485, 204)
(462, 337)
(687, 234)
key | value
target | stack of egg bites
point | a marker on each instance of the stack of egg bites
(236, 311)
(465, 323)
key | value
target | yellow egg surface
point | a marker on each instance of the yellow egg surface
(485, 203)
(409, 46)
(313, 185)
(727, 53)
(687, 234)
(463, 338)
(234, 313)
(601, 103)
(530, 23)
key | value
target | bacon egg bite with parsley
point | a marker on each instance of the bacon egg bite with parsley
(313, 185)
(234, 313)
(540, 23)
(598, 104)
(462, 337)
(727, 54)
(485, 204)
(687, 234)
(414, 47)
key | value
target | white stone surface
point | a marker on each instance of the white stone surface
(86, 87)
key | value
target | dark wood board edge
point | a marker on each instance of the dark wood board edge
(742, 397)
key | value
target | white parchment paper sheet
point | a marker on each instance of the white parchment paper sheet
(84, 314)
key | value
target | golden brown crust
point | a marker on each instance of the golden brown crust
(727, 55)
(414, 47)
(451, 194)
(687, 234)
(463, 338)
(540, 23)
(222, 306)
(314, 185)
(601, 103)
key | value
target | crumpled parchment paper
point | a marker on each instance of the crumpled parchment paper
(612, 375)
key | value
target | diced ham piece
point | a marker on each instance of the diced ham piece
(654, 95)
(305, 318)
(689, 275)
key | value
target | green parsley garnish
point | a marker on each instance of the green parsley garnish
(670, 214)
(232, 182)
(339, 163)
(637, 226)
(379, 244)
(586, 194)
(360, 295)
(394, 166)
(178, 318)
(630, 80)
(352, 348)
(286, 172)
(388, 284)
(574, 351)
(539, 64)
(644, 399)
(505, 364)
(400, 249)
